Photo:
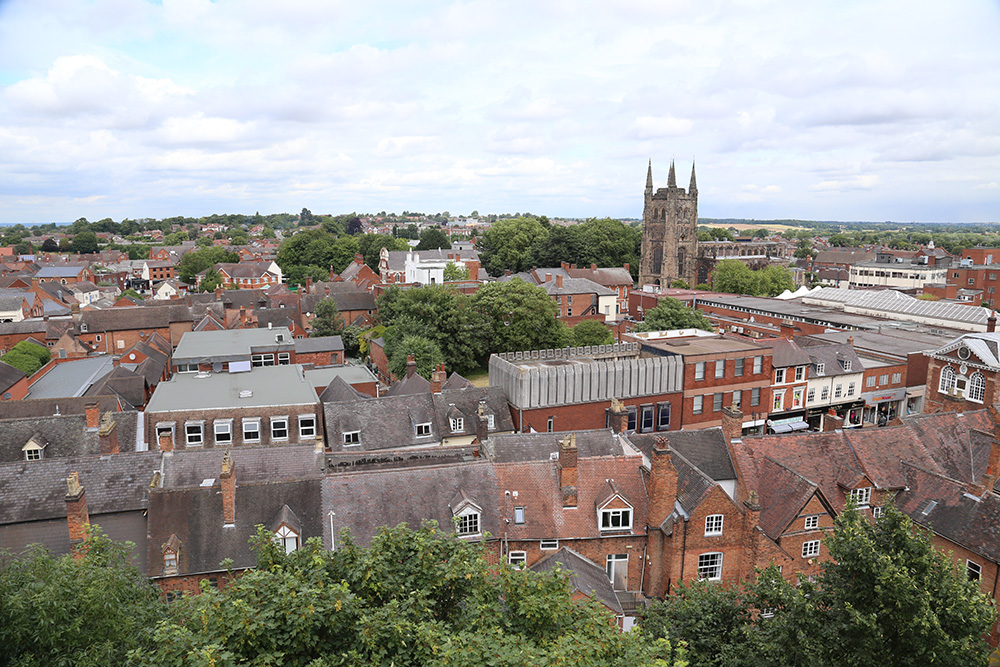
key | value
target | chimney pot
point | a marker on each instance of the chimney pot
(411, 366)
(108, 435)
(77, 515)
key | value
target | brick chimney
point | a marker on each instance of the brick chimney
(567, 469)
(359, 258)
(751, 539)
(593, 267)
(732, 424)
(438, 378)
(218, 291)
(662, 482)
(991, 323)
(165, 440)
(564, 265)
(482, 423)
(309, 285)
(332, 274)
(618, 416)
(548, 278)
(832, 422)
(93, 413)
(627, 267)
(108, 435)
(77, 516)
(559, 281)
(411, 366)
(787, 329)
(243, 316)
(228, 479)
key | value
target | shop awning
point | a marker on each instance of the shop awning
(790, 426)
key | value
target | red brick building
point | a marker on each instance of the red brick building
(963, 375)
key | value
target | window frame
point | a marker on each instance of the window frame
(714, 524)
(284, 536)
(517, 559)
(861, 496)
(423, 430)
(717, 400)
(198, 424)
(469, 523)
(976, 391)
(457, 424)
(779, 376)
(607, 518)
(740, 366)
(720, 369)
(307, 423)
(699, 371)
(227, 429)
(698, 405)
(710, 566)
(973, 570)
(662, 408)
(755, 397)
(758, 365)
(274, 424)
(251, 421)
(810, 548)
(351, 438)
(811, 522)
(548, 545)
(519, 515)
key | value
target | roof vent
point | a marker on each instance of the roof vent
(553, 456)
(246, 393)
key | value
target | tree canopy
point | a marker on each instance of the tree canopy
(433, 239)
(591, 332)
(670, 313)
(735, 277)
(888, 598)
(27, 357)
(198, 260)
(412, 598)
(327, 320)
(87, 612)
(519, 316)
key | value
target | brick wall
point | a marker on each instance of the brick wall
(596, 549)
(580, 416)
(264, 413)
(935, 401)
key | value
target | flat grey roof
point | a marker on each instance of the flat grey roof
(71, 378)
(269, 385)
(228, 343)
(321, 377)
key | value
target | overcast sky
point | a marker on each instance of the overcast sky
(812, 109)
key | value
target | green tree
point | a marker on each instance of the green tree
(90, 611)
(425, 352)
(370, 246)
(453, 271)
(734, 277)
(672, 314)
(505, 245)
(442, 315)
(561, 244)
(50, 245)
(419, 598)
(211, 281)
(432, 239)
(591, 332)
(520, 316)
(27, 357)
(84, 242)
(327, 320)
(198, 260)
(773, 280)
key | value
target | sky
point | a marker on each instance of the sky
(846, 110)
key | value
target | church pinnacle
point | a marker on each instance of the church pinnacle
(694, 185)
(671, 177)
(649, 178)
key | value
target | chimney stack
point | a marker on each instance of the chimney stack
(662, 482)
(559, 281)
(732, 424)
(593, 267)
(359, 258)
(618, 416)
(411, 366)
(438, 378)
(309, 284)
(991, 323)
(93, 413)
(77, 516)
(567, 469)
(166, 441)
(627, 267)
(482, 423)
(548, 278)
(228, 479)
(108, 435)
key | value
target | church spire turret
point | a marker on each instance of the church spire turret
(649, 178)
(672, 178)
(694, 184)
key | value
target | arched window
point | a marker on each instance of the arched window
(977, 387)
(947, 383)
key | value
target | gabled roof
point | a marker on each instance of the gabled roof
(585, 576)
(970, 521)
(705, 449)
(364, 502)
(319, 344)
(338, 391)
(522, 447)
(387, 422)
(465, 404)
(9, 376)
(782, 493)
(414, 384)
(832, 356)
(693, 485)
(786, 353)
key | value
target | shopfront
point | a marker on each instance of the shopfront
(881, 407)
(788, 424)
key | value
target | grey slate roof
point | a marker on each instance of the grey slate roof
(703, 448)
(831, 355)
(388, 422)
(518, 447)
(319, 344)
(466, 402)
(9, 376)
(72, 378)
(67, 435)
(585, 576)
(338, 391)
(189, 468)
(363, 502)
(230, 344)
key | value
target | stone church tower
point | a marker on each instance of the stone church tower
(669, 232)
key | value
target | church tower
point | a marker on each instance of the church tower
(669, 232)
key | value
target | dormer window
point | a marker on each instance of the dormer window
(170, 551)
(491, 422)
(846, 363)
(423, 430)
(33, 451)
(861, 497)
(616, 519)
(457, 424)
(820, 369)
(468, 523)
(287, 538)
